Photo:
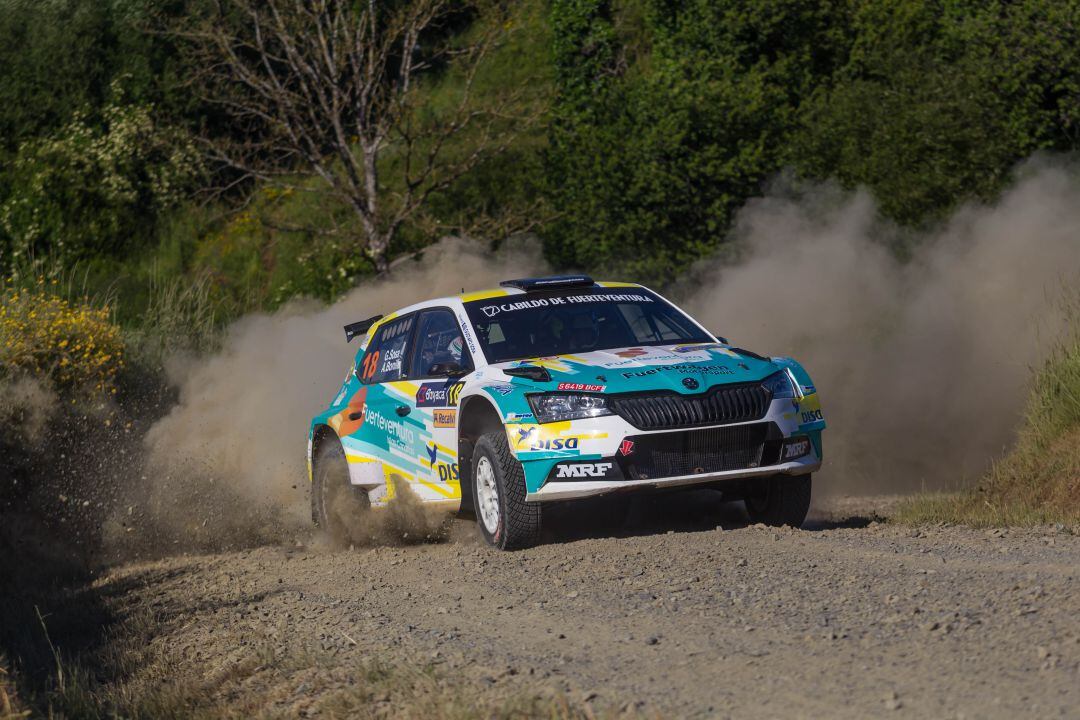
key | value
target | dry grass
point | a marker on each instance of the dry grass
(132, 675)
(10, 705)
(1038, 482)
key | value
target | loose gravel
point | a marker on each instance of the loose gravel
(694, 617)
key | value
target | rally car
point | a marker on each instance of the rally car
(552, 389)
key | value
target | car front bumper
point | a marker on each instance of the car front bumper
(574, 489)
(619, 456)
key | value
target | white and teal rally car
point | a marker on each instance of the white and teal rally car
(558, 388)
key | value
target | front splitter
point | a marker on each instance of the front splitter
(563, 490)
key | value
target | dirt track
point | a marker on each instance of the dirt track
(674, 619)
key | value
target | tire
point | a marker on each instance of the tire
(505, 520)
(780, 500)
(336, 504)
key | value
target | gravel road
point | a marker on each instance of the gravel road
(702, 617)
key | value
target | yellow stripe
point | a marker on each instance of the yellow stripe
(448, 451)
(356, 459)
(483, 295)
(385, 319)
(406, 387)
(617, 284)
(437, 488)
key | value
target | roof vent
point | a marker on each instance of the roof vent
(544, 283)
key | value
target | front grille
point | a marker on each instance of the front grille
(702, 451)
(667, 410)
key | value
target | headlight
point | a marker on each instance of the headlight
(779, 384)
(553, 407)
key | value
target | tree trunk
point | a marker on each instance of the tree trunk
(377, 246)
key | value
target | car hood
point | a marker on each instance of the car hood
(683, 368)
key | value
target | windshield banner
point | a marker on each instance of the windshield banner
(494, 309)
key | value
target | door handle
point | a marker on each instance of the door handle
(356, 415)
(403, 410)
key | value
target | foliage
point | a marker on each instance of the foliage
(658, 120)
(649, 162)
(671, 113)
(92, 188)
(76, 345)
(937, 102)
(1038, 482)
(331, 89)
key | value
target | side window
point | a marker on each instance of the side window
(384, 360)
(439, 343)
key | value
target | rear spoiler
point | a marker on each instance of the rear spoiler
(359, 328)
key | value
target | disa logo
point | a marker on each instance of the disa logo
(555, 444)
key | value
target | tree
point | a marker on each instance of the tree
(94, 189)
(650, 158)
(329, 87)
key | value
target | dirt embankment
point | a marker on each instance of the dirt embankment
(696, 618)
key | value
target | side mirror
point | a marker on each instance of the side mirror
(447, 369)
(721, 338)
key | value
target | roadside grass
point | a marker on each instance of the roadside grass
(1038, 482)
(11, 706)
(130, 672)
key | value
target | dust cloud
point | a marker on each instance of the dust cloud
(923, 365)
(230, 457)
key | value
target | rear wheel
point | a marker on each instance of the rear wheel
(779, 500)
(336, 504)
(506, 521)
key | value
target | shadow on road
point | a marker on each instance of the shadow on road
(678, 512)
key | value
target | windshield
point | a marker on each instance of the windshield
(577, 321)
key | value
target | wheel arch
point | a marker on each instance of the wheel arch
(478, 415)
(320, 433)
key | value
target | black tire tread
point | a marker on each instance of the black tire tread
(788, 501)
(329, 460)
(521, 520)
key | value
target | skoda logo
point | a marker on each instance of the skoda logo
(690, 383)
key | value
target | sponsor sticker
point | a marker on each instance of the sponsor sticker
(812, 416)
(523, 434)
(695, 348)
(570, 443)
(433, 454)
(445, 418)
(581, 470)
(581, 387)
(396, 432)
(626, 447)
(503, 389)
(684, 369)
(466, 330)
(519, 416)
(449, 471)
(495, 309)
(438, 394)
(632, 352)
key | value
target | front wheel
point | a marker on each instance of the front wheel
(506, 521)
(337, 505)
(779, 500)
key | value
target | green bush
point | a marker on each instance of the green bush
(92, 190)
